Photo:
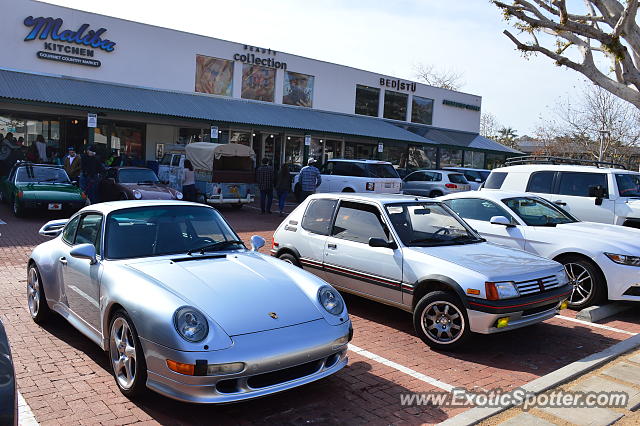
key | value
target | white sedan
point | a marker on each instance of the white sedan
(603, 261)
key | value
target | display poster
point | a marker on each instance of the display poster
(258, 83)
(214, 76)
(298, 89)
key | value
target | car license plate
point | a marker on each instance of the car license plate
(55, 206)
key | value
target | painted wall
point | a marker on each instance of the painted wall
(144, 55)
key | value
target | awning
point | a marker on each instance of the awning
(458, 138)
(99, 96)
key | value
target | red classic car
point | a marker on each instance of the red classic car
(135, 183)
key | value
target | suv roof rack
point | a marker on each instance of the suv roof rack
(546, 159)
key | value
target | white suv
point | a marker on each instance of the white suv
(357, 176)
(590, 191)
(419, 256)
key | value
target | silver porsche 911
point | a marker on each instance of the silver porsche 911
(182, 307)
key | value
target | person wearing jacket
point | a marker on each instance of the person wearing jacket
(73, 164)
(283, 186)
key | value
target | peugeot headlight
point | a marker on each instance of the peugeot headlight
(330, 300)
(137, 194)
(501, 290)
(179, 195)
(624, 259)
(562, 277)
(190, 324)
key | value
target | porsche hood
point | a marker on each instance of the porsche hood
(240, 291)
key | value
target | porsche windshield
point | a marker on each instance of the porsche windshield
(162, 230)
(428, 224)
(137, 176)
(41, 174)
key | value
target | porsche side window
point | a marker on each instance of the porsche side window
(89, 231)
(317, 217)
(359, 222)
(69, 232)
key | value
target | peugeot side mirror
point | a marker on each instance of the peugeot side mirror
(84, 251)
(257, 242)
(501, 220)
(381, 242)
(53, 228)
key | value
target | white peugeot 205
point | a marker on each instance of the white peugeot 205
(602, 261)
(416, 254)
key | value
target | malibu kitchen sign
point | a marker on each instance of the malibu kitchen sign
(73, 47)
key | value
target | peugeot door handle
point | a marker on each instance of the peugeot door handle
(332, 246)
(63, 260)
(559, 203)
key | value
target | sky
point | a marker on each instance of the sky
(388, 37)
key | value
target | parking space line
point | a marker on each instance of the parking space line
(25, 415)
(590, 324)
(430, 380)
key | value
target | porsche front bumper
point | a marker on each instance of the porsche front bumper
(275, 360)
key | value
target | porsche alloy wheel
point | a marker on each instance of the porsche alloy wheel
(36, 300)
(127, 359)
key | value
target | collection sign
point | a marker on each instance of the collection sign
(63, 45)
(252, 59)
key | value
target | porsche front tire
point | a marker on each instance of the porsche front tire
(126, 356)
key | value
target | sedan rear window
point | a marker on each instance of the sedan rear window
(382, 171)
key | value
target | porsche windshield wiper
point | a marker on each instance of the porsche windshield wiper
(215, 246)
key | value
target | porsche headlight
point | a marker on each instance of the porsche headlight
(179, 195)
(330, 300)
(191, 324)
(137, 194)
(624, 259)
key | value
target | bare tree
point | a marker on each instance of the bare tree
(577, 125)
(489, 125)
(445, 79)
(578, 39)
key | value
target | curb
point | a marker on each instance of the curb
(596, 313)
(548, 381)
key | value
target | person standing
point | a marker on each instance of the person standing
(189, 182)
(283, 186)
(91, 169)
(72, 164)
(7, 148)
(264, 177)
(41, 146)
(309, 179)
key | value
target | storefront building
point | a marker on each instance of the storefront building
(77, 78)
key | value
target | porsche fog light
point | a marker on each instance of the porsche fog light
(330, 300)
(229, 368)
(137, 194)
(190, 324)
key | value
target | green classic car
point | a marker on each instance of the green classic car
(42, 187)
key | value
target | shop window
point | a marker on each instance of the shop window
(293, 150)
(474, 159)
(395, 105)
(315, 149)
(495, 160)
(421, 157)
(421, 110)
(214, 76)
(298, 89)
(130, 142)
(395, 153)
(243, 138)
(450, 157)
(367, 100)
(258, 83)
(360, 151)
(332, 149)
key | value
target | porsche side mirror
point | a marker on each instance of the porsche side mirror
(84, 251)
(257, 242)
(53, 228)
(381, 242)
(501, 220)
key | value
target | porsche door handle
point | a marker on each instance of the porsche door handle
(332, 246)
(63, 260)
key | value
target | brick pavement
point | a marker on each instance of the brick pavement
(65, 378)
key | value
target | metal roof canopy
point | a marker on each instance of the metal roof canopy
(58, 90)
